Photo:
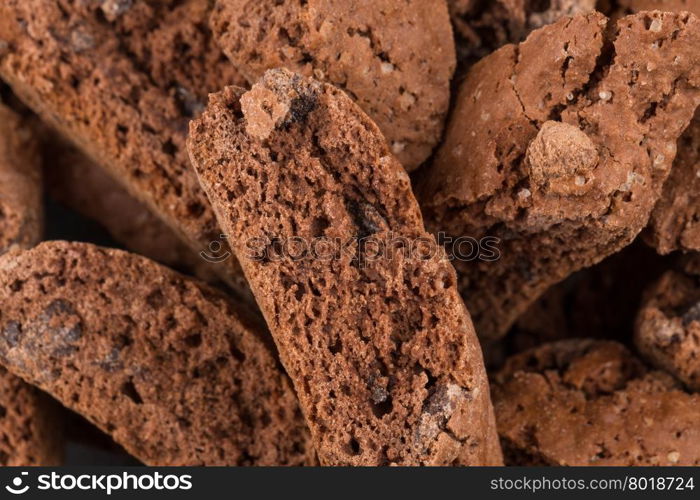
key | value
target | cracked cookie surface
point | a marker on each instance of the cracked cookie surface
(170, 368)
(585, 402)
(482, 26)
(378, 343)
(611, 101)
(394, 58)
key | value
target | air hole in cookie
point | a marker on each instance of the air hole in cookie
(319, 226)
(354, 446)
(169, 148)
(336, 347)
(195, 209)
(155, 299)
(650, 112)
(237, 354)
(194, 340)
(3, 411)
(383, 408)
(129, 390)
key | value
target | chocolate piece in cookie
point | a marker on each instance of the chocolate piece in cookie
(169, 367)
(100, 79)
(668, 324)
(484, 26)
(361, 302)
(585, 402)
(558, 149)
(21, 211)
(394, 58)
(30, 424)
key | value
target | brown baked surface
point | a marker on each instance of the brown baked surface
(395, 58)
(668, 324)
(585, 402)
(30, 425)
(381, 350)
(123, 90)
(76, 182)
(559, 147)
(482, 26)
(21, 211)
(169, 367)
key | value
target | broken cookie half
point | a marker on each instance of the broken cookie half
(668, 324)
(558, 149)
(586, 402)
(169, 367)
(29, 421)
(360, 300)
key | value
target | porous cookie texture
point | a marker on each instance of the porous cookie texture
(122, 84)
(75, 181)
(170, 368)
(668, 324)
(585, 402)
(674, 222)
(21, 211)
(367, 318)
(483, 26)
(558, 148)
(618, 8)
(30, 425)
(394, 58)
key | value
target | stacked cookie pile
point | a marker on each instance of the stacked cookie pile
(291, 185)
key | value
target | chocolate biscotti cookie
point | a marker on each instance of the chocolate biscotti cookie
(87, 77)
(394, 58)
(363, 307)
(668, 324)
(30, 425)
(169, 367)
(674, 223)
(583, 402)
(482, 27)
(75, 181)
(28, 420)
(620, 8)
(21, 212)
(558, 149)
